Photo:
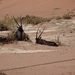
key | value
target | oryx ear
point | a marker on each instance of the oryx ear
(16, 21)
(41, 32)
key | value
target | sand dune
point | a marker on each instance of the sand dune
(44, 8)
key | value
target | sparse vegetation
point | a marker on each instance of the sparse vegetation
(3, 27)
(11, 35)
(34, 20)
(66, 16)
(58, 40)
(58, 17)
(27, 38)
(56, 8)
(9, 22)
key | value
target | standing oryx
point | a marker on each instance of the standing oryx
(41, 41)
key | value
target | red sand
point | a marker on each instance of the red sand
(44, 8)
(53, 63)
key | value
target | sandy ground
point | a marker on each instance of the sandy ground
(51, 63)
(44, 8)
(28, 58)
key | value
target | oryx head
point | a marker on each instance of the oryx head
(19, 25)
(38, 36)
(20, 32)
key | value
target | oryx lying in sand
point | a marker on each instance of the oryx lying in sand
(41, 41)
(20, 34)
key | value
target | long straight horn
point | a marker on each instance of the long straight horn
(37, 33)
(15, 21)
(20, 20)
(42, 32)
